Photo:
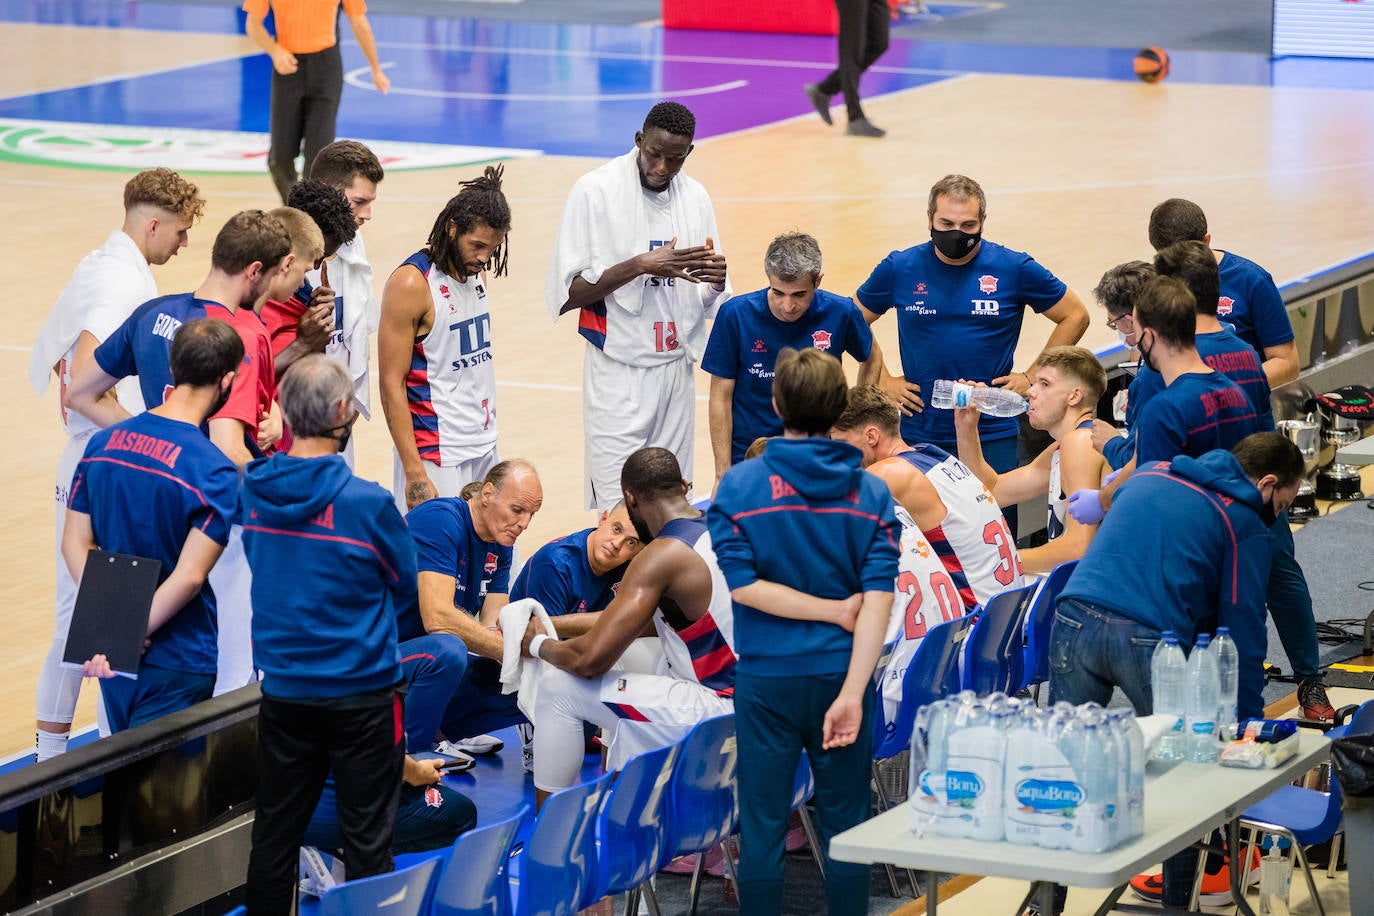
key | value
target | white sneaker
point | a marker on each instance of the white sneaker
(451, 749)
(315, 875)
(478, 745)
(526, 731)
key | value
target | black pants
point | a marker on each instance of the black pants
(305, 105)
(863, 39)
(298, 744)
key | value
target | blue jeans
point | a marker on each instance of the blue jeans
(1290, 603)
(433, 667)
(1093, 650)
(155, 693)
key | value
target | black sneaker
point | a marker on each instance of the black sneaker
(820, 101)
(863, 127)
(1314, 701)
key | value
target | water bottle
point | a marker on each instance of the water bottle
(994, 402)
(1228, 667)
(929, 751)
(1204, 698)
(1131, 745)
(1169, 687)
(1088, 746)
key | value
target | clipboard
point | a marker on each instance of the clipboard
(110, 617)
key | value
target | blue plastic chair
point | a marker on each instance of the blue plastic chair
(802, 790)
(993, 653)
(631, 833)
(1307, 817)
(558, 862)
(474, 882)
(1039, 620)
(932, 673)
(398, 893)
(703, 800)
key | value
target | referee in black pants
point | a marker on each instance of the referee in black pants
(863, 39)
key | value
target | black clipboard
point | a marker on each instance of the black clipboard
(112, 607)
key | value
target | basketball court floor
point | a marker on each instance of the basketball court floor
(1072, 151)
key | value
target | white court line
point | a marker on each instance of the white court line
(135, 74)
(355, 79)
(14, 349)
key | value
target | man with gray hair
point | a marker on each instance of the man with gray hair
(325, 642)
(752, 329)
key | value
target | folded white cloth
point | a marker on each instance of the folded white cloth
(350, 276)
(517, 673)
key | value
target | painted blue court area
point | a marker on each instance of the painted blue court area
(568, 89)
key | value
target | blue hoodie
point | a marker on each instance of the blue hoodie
(1184, 549)
(331, 560)
(803, 514)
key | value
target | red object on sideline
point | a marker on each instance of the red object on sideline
(794, 17)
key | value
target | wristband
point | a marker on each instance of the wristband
(536, 642)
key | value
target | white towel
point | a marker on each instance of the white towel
(518, 673)
(350, 276)
(606, 221)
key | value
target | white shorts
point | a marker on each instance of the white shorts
(448, 481)
(639, 712)
(59, 686)
(232, 582)
(626, 408)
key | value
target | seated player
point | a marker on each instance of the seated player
(1068, 383)
(673, 582)
(956, 513)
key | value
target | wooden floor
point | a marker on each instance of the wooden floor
(1072, 168)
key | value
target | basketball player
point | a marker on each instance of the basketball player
(1248, 299)
(960, 300)
(752, 329)
(1069, 381)
(636, 257)
(159, 209)
(154, 486)
(355, 170)
(247, 254)
(956, 513)
(802, 524)
(438, 383)
(673, 582)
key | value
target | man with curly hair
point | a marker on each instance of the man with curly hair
(438, 385)
(159, 209)
(636, 258)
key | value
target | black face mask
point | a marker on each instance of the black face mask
(220, 400)
(1267, 513)
(955, 244)
(1145, 352)
(343, 433)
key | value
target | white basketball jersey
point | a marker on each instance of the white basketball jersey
(1058, 502)
(451, 386)
(973, 542)
(703, 652)
(923, 596)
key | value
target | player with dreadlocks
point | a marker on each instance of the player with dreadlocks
(437, 382)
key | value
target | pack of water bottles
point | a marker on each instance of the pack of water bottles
(999, 768)
(1197, 691)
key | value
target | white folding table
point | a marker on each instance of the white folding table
(1182, 803)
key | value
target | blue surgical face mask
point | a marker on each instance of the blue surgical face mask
(1124, 338)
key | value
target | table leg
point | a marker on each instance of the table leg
(1110, 903)
(932, 889)
(1046, 894)
(1238, 867)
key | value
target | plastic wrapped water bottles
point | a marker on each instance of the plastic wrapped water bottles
(1204, 699)
(1169, 686)
(1131, 754)
(1228, 670)
(1090, 748)
(995, 402)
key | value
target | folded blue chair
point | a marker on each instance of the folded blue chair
(558, 863)
(1039, 619)
(398, 893)
(703, 797)
(993, 651)
(474, 882)
(631, 834)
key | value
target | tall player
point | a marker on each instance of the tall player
(636, 259)
(959, 517)
(438, 384)
(159, 209)
(1069, 381)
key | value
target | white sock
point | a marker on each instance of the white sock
(50, 744)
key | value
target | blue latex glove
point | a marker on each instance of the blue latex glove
(1086, 507)
(1112, 476)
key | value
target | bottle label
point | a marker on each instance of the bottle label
(1203, 728)
(962, 787)
(1045, 795)
(961, 393)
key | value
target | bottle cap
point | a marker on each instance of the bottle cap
(1223, 631)
(1203, 641)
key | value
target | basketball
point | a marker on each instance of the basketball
(1152, 64)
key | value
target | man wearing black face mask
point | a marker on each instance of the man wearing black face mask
(332, 560)
(155, 486)
(960, 300)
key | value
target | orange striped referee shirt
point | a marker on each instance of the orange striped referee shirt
(304, 26)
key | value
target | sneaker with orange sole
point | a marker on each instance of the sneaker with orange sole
(1216, 889)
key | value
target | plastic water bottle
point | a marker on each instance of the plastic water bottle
(926, 799)
(1131, 746)
(1088, 746)
(995, 402)
(1228, 668)
(1169, 687)
(1204, 699)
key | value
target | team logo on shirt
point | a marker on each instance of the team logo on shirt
(490, 566)
(820, 340)
(920, 289)
(987, 284)
(986, 307)
(443, 291)
(759, 346)
(1225, 304)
